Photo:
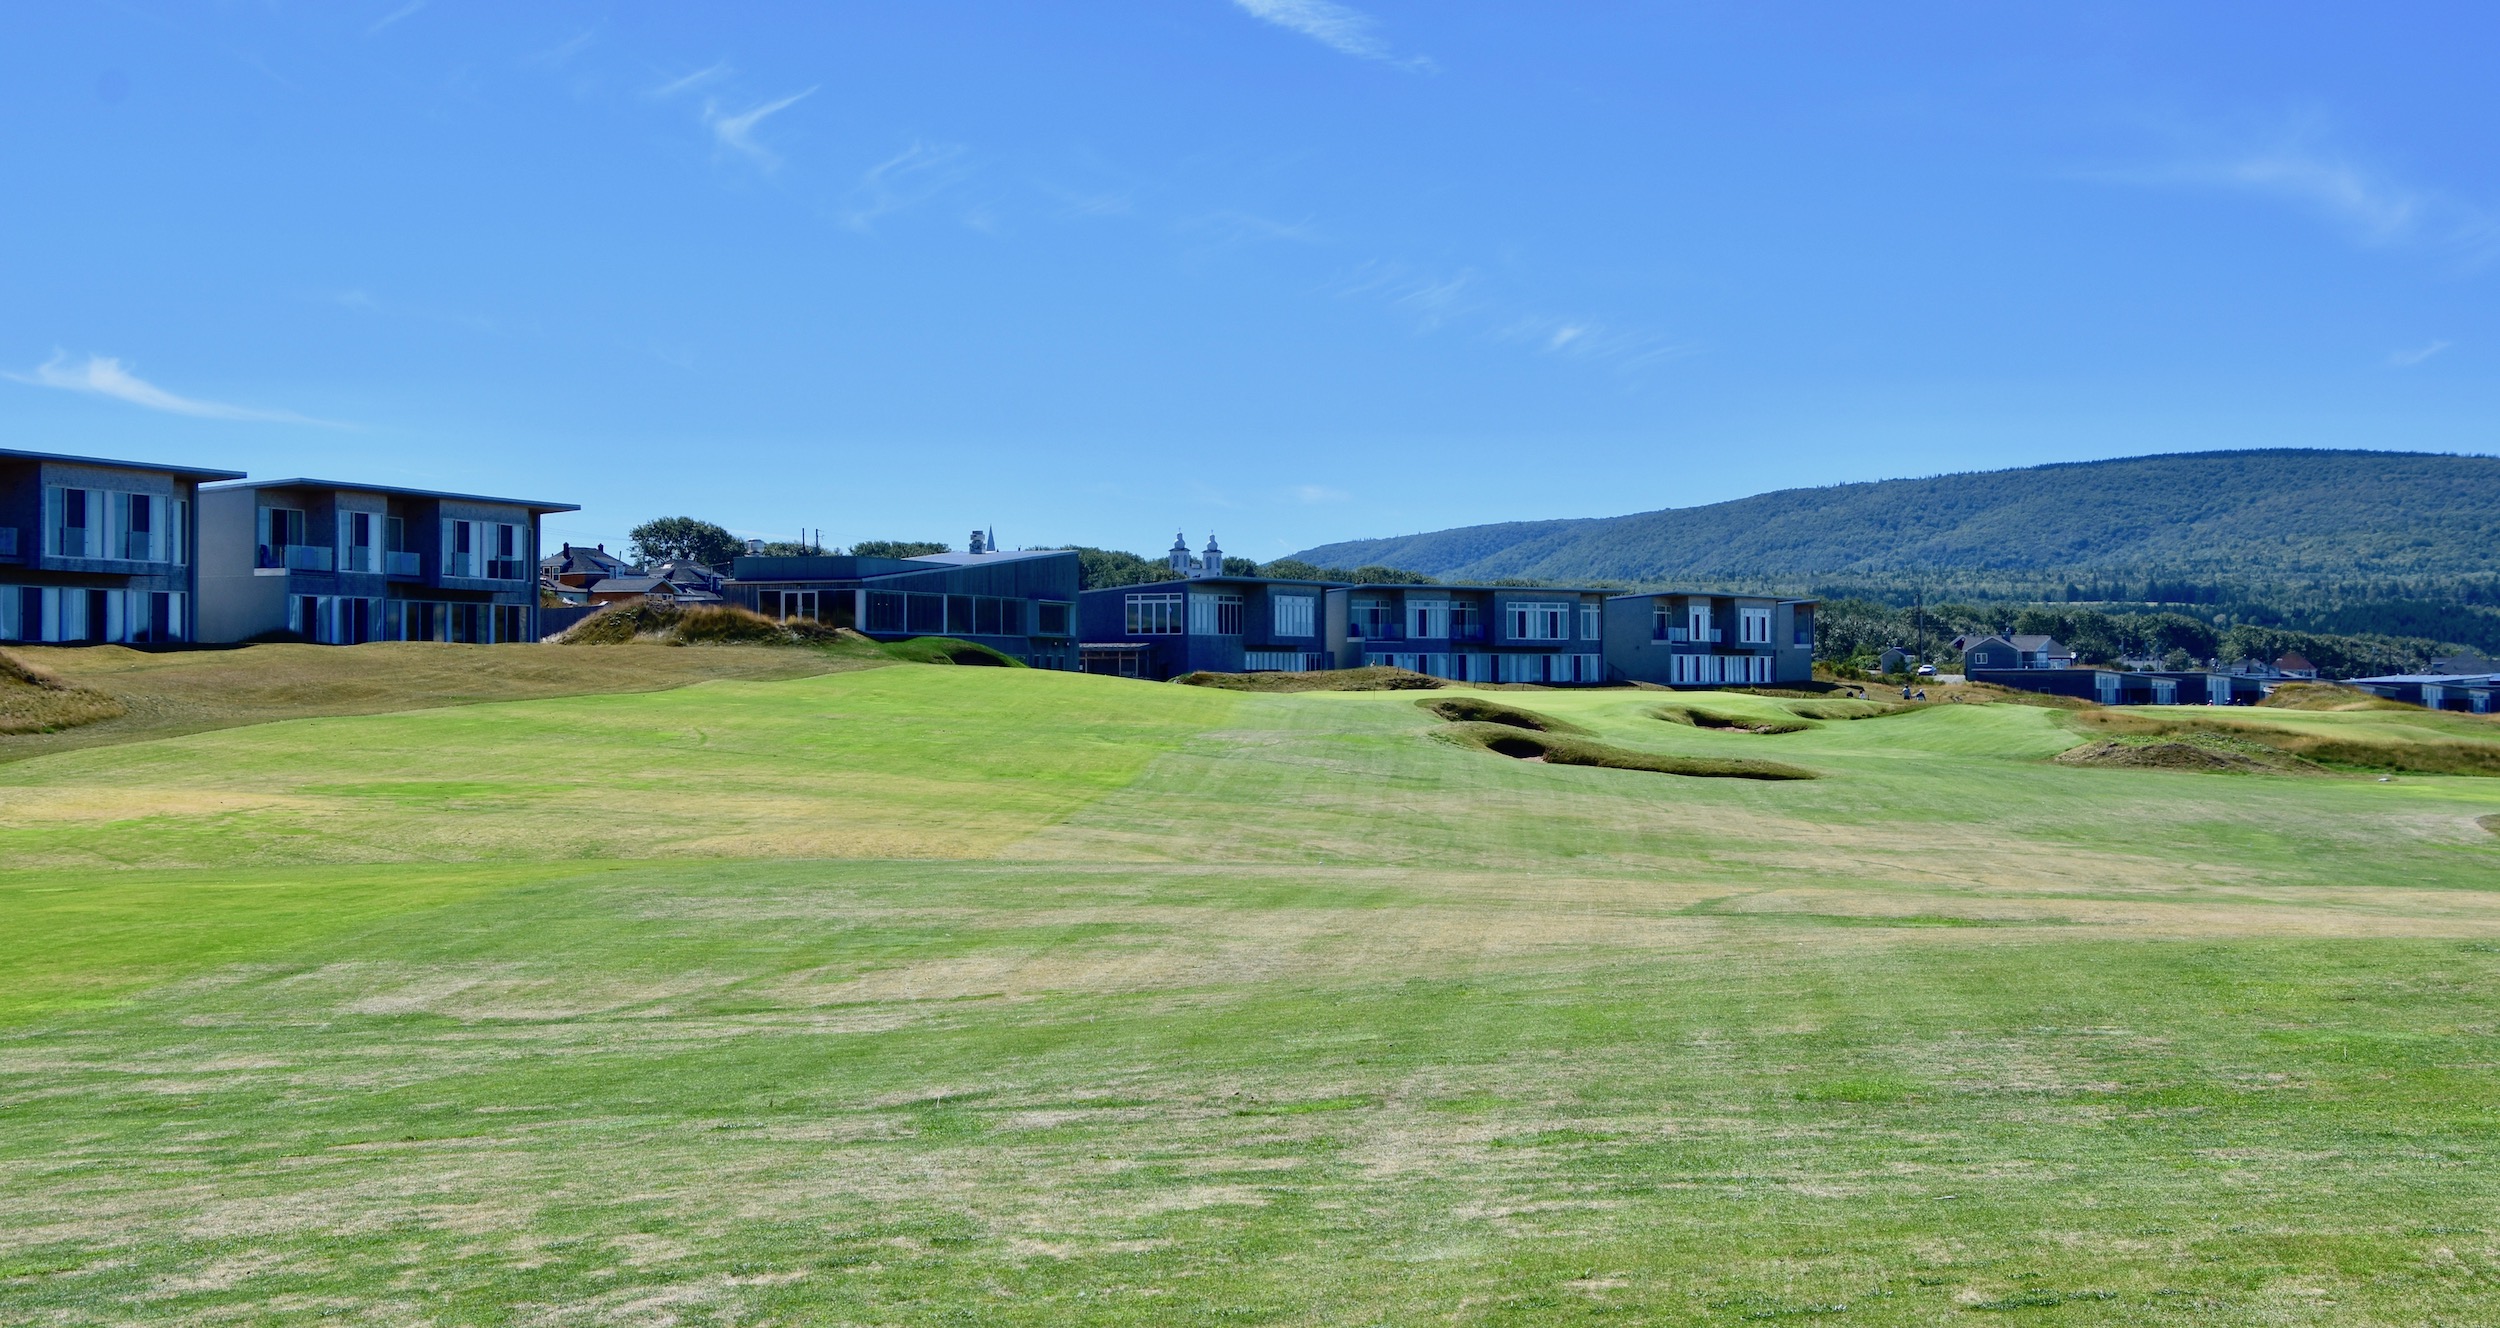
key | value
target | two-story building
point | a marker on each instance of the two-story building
(342, 563)
(1693, 638)
(1021, 603)
(1199, 619)
(1536, 634)
(2016, 651)
(97, 550)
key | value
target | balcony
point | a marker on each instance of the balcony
(400, 566)
(297, 557)
(1686, 636)
(1374, 631)
(8, 542)
(473, 567)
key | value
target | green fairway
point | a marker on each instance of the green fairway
(953, 995)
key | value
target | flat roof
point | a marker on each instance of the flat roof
(987, 556)
(1220, 580)
(1410, 588)
(301, 482)
(1717, 594)
(201, 472)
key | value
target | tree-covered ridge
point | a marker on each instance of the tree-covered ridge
(2204, 517)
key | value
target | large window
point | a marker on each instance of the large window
(1295, 615)
(1428, 620)
(1154, 615)
(1466, 621)
(1540, 622)
(107, 523)
(1215, 615)
(1753, 627)
(1051, 618)
(1372, 619)
(1801, 625)
(485, 550)
(1588, 622)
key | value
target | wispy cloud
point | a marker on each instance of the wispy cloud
(104, 376)
(1320, 494)
(2406, 359)
(1433, 300)
(407, 10)
(1589, 339)
(562, 53)
(737, 131)
(1225, 228)
(2302, 165)
(689, 82)
(903, 181)
(1342, 29)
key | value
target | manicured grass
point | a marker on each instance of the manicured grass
(934, 995)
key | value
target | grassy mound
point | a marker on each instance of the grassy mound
(1475, 709)
(2491, 823)
(2210, 755)
(1703, 719)
(34, 700)
(1558, 749)
(1844, 709)
(1371, 679)
(730, 625)
(2411, 751)
(944, 650)
(2328, 696)
(619, 623)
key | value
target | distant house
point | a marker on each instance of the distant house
(622, 589)
(341, 563)
(580, 568)
(2016, 651)
(96, 550)
(1894, 660)
(2294, 664)
(692, 582)
(2114, 686)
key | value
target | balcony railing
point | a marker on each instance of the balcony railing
(71, 541)
(402, 566)
(8, 542)
(297, 557)
(476, 568)
(1374, 631)
(1687, 636)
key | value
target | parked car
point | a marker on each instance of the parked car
(1927, 670)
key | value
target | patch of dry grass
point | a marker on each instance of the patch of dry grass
(2327, 696)
(36, 700)
(165, 693)
(1368, 679)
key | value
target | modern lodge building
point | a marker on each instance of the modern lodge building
(340, 563)
(93, 550)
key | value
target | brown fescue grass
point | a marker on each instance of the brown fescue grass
(162, 694)
(2408, 754)
(1371, 679)
(2328, 696)
(37, 700)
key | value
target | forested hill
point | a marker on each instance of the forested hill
(2245, 516)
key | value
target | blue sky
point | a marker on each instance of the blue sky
(1289, 270)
